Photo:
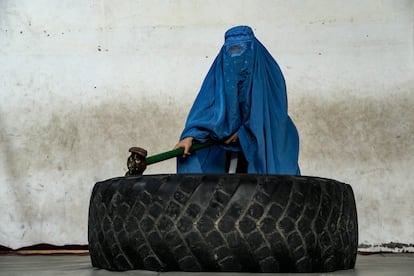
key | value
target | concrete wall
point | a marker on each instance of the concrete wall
(82, 81)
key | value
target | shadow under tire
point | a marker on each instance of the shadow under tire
(221, 222)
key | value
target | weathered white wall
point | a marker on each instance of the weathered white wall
(82, 81)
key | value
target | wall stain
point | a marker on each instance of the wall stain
(85, 137)
(355, 128)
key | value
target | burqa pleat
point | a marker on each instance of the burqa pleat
(244, 92)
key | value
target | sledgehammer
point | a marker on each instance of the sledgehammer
(138, 160)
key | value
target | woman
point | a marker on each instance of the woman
(242, 105)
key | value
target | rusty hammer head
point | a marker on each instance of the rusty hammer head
(136, 161)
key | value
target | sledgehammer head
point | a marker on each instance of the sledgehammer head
(136, 161)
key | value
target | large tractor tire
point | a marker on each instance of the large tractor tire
(240, 222)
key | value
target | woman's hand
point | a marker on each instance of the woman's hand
(186, 144)
(233, 139)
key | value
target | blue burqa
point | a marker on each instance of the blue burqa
(244, 92)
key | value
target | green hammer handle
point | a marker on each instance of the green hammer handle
(176, 152)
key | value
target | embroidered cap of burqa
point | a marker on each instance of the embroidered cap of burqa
(244, 92)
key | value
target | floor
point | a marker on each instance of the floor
(33, 265)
